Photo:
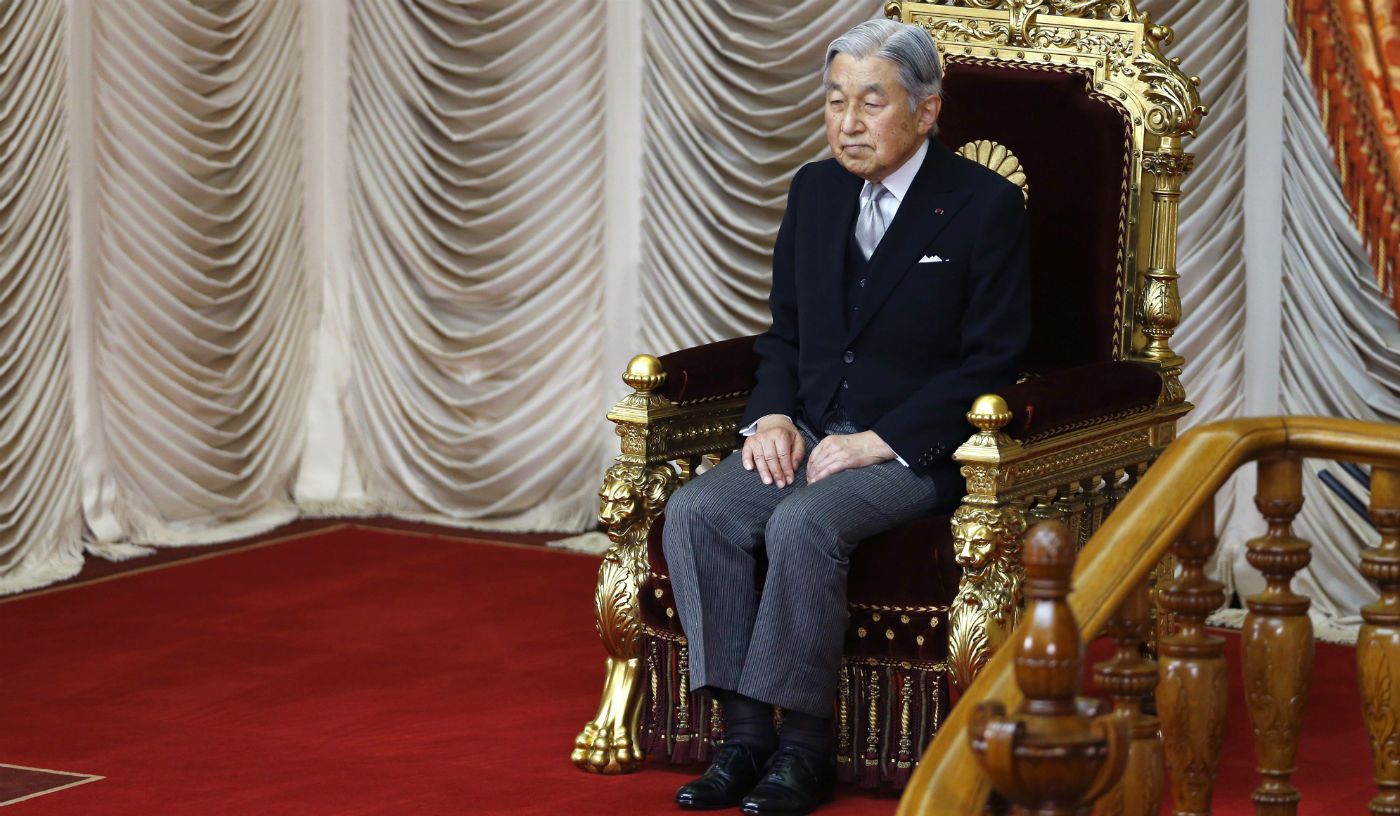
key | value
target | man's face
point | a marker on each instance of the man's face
(868, 122)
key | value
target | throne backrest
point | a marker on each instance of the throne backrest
(1076, 149)
(1080, 93)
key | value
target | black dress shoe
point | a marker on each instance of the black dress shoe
(793, 782)
(733, 773)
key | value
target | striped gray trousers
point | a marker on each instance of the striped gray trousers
(783, 647)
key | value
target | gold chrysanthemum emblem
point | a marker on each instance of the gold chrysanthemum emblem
(997, 157)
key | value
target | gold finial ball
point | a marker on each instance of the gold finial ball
(989, 413)
(644, 373)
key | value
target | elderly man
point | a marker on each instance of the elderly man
(899, 295)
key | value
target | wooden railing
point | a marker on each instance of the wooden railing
(1172, 511)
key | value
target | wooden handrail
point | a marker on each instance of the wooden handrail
(1119, 557)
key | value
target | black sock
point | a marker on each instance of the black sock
(748, 721)
(808, 733)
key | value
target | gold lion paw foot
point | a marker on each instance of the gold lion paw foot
(598, 750)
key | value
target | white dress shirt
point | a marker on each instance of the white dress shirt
(898, 184)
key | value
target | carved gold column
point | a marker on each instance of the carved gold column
(1175, 112)
(634, 492)
(1378, 644)
(987, 532)
(1160, 309)
(1193, 688)
(1278, 638)
(1129, 677)
(1049, 758)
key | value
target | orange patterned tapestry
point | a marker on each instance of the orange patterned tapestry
(1352, 48)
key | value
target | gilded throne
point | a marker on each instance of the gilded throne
(1075, 101)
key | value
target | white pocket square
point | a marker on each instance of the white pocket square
(931, 259)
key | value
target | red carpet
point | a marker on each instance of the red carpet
(352, 672)
(362, 671)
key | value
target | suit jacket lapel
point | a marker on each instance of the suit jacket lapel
(927, 208)
(839, 217)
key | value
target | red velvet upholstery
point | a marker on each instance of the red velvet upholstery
(1079, 397)
(655, 597)
(901, 582)
(710, 371)
(1074, 148)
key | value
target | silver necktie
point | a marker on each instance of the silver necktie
(871, 224)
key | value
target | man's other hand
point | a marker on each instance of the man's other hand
(775, 450)
(840, 452)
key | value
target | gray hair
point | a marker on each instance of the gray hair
(906, 45)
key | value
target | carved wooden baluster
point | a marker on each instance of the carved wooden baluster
(1378, 644)
(1128, 677)
(1163, 622)
(1193, 688)
(1278, 638)
(1099, 503)
(1049, 758)
(1071, 506)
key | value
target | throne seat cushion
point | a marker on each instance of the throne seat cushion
(900, 585)
(898, 591)
(655, 602)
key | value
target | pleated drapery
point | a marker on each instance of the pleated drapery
(40, 519)
(199, 295)
(476, 142)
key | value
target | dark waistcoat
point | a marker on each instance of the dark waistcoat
(856, 279)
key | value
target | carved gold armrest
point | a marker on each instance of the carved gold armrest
(1077, 476)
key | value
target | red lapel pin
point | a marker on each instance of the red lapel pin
(938, 211)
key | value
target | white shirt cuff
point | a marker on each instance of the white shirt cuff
(753, 426)
(900, 460)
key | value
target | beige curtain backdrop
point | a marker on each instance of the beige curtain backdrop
(475, 307)
(40, 521)
(284, 258)
(199, 354)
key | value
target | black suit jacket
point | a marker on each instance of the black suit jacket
(929, 338)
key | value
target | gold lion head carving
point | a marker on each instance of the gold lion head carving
(987, 545)
(985, 536)
(631, 496)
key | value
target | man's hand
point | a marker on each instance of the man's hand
(840, 452)
(775, 449)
